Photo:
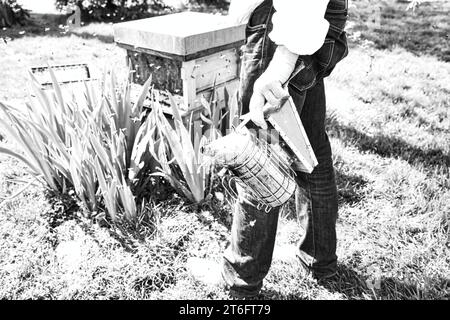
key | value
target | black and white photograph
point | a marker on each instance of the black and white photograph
(244, 152)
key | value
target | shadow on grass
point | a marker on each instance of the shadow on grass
(350, 188)
(353, 285)
(159, 281)
(63, 208)
(350, 191)
(422, 31)
(347, 282)
(387, 146)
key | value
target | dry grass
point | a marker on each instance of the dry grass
(389, 125)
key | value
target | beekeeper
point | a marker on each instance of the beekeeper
(281, 34)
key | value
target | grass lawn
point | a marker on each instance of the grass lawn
(389, 124)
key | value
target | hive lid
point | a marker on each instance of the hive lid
(180, 34)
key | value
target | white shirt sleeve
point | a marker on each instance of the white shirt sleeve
(241, 10)
(300, 25)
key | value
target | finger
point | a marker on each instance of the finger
(259, 120)
(256, 106)
(257, 102)
(245, 117)
(278, 91)
(271, 99)
(268, 108)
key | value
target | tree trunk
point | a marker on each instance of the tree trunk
(6, 15)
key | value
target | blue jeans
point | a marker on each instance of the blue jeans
(247, 260)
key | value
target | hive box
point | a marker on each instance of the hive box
(186, 53)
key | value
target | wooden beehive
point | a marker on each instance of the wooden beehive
(65, 73)
(186, 53)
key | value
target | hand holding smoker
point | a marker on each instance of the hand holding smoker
(256, 165)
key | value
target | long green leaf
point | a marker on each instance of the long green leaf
(21, 158)
(184, 159)
(107, 194)
(57, 89)
(137, 109)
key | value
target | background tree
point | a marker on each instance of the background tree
(118, 10)
(11, 13)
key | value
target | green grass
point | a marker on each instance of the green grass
(32, 45)
(425, 30)
(389, 125)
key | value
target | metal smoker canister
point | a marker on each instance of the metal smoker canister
(261, 171)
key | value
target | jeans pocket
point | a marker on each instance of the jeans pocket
(321, 63)
(306, 78)
(316, 66)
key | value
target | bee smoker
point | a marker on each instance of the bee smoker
(256, 166)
